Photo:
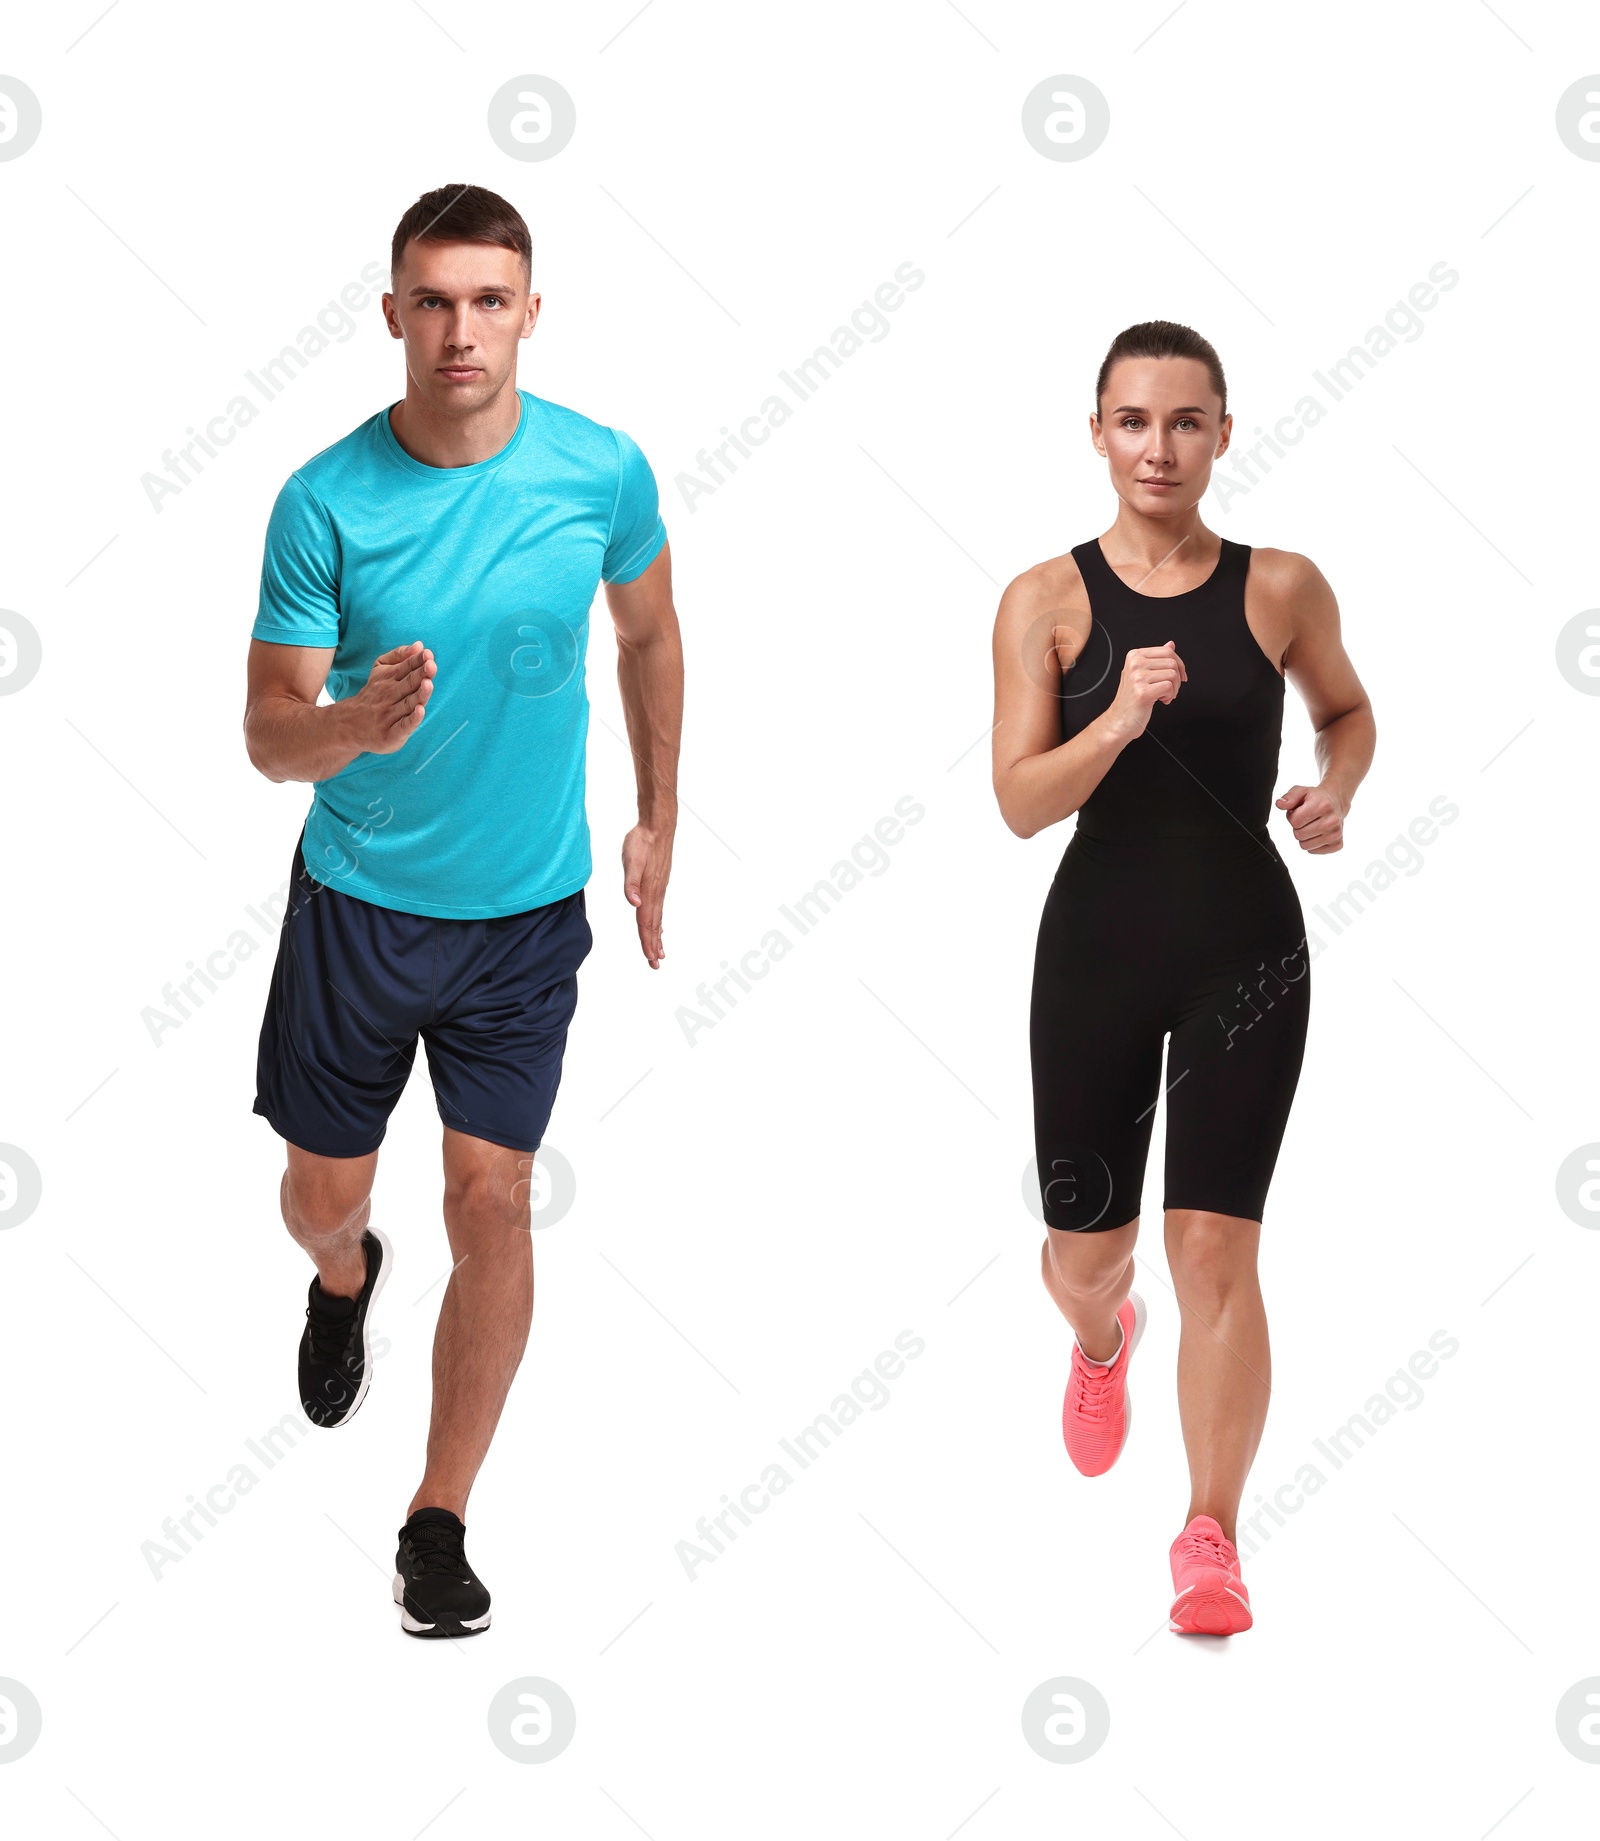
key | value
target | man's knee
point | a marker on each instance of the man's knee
(319, 1210)
(492, 1199)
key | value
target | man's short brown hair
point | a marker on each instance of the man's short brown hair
(463, 214)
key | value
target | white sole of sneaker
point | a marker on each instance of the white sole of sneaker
(1127, 1398)
(469, 1625)
(1138, 1306)
(366, 1328)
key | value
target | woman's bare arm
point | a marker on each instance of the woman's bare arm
(1318, 666)
(1038, 778)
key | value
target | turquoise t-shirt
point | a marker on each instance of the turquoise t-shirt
(494, 566)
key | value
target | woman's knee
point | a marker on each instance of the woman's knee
(1212, 1257)
(1086, 1267)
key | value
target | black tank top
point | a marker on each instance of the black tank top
(1208, 761)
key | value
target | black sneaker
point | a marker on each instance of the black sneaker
(437, 1591)
(336, 1347)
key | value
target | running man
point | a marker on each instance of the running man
(1140, 683)
(434, 570)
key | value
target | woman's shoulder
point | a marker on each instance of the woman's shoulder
(1284, 573)
(1052, 586)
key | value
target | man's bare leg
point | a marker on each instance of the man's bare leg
(326, 1203)
(487, 1310)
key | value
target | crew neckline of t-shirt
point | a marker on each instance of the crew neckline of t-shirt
(525, 404)
(1182, 594)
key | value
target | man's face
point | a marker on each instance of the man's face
(460, 308)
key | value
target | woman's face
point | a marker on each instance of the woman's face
(1160, 426)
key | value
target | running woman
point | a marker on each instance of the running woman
(1139, 683)
(434, 570)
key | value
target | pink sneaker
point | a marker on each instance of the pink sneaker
(1211, 1599)
(1094, 1415)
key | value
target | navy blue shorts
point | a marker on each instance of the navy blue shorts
(355, 984)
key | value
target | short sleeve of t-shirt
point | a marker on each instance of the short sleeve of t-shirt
(637, 531)
(299, 603)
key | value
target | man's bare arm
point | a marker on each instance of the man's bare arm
(650, 677)
(290, 736)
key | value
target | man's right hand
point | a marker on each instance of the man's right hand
(385, 713)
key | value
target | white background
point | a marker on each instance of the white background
(840, 1159)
